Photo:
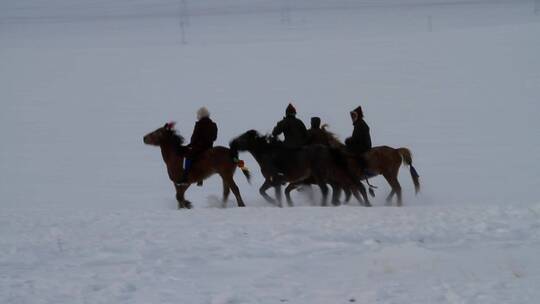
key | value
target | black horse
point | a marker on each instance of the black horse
(314, 164)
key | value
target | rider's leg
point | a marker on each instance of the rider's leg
(187, 168)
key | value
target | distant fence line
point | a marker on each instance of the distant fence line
(29, 10)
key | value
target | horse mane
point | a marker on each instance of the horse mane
(333, 139)
(267, 140)
(177, 141)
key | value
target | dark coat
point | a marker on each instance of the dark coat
(360, 141)
(294, 130)
(204, 135)
(316, 135)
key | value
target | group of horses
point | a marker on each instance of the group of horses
(317, 164)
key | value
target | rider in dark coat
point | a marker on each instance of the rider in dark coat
(360, 141)
(293, 129)
(316, 134)
(296, 136)
(204, 135)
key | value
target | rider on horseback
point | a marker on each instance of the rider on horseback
(360, 141)
(296, 136)
(204, 135)
(293, 129)
(316, 134)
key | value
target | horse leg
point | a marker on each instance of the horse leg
(288, 190)
(389, 197)
(263, 189)
(182, 202)
(364, 194)
(396, 189)
(359, 198)
(388, 179)
(336, 193)
(277, 188)
(398, 192)
(236, 192)
(324, 191)
(230, 185)
(226, 193)
(348, 195)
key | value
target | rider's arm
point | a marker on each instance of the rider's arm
(214, 132)
(196, 133)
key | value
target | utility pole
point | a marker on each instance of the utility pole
(184, 11)
(184, 20)
(285, 12)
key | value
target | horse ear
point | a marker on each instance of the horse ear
(170, 125)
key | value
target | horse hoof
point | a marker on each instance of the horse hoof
(185, 205)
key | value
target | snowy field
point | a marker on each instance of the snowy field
(87, 213)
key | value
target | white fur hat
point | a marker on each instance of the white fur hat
(202, 113)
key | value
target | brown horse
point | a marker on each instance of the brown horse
(218, 160)
(385, 161)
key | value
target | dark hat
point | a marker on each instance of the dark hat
(315, 122)
(359, 112)
(290, 110)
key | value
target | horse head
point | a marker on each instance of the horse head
(162, 135)
(245, 142)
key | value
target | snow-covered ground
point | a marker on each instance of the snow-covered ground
(422, 254)
(88, 214)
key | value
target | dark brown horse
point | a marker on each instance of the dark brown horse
(339, 179)
(385, 161)
(295, 166)
(338, 176)
(316, 164)
(218, 160)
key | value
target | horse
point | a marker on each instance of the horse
(217, 160)
(313, 163)
(385, 161)
(339, 179)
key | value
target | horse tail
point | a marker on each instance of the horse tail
(246, 172)
(240, 164)
(406, 156)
